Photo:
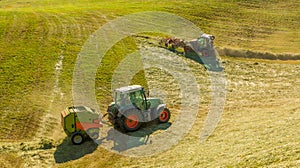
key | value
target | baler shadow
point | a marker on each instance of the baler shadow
(66, 151)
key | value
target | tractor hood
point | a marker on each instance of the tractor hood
(154, 102)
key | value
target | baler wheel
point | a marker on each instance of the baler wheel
(77, 138)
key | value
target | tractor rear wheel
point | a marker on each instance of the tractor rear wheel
(164, 115)
(131, 121)
(77, 138)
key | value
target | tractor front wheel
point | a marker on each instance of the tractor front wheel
(164, 115)
(77, 138)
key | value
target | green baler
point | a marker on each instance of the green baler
(80, 122)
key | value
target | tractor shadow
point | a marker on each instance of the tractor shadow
(66, 151)
(215, 65)
(126, 140)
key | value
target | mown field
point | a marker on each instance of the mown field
(40, 41)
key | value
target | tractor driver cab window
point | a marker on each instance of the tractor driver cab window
(202, 42)
(136, 99)
(122, 99)
(118, 99)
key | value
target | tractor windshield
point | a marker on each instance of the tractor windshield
(202, 42)
(137, 98)
(206, 41)
(122, 99)
(134, 98)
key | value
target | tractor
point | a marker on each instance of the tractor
(80, 123)
(131, 108)
(202, 46)
(200, 50)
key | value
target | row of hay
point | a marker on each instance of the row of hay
(255, 54)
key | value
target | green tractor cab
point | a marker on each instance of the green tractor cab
(80, 122)
(131, 108)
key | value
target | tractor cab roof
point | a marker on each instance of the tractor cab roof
(128, 89)
(207, 36)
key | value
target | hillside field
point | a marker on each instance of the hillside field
(259, 127)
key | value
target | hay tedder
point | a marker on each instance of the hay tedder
(200, 50)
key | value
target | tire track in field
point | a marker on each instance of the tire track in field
(33, 151)
(54, 26)
(65, 26)
(37, 152)
(58, 26)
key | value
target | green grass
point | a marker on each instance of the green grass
(35, 35)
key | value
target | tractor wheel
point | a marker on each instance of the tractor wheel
(164, 116)
(77, 138)
(131, 121)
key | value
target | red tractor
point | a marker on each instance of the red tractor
(200, 50)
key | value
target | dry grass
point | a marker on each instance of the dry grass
(259, 126)
(255, 54)
(11, 160)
